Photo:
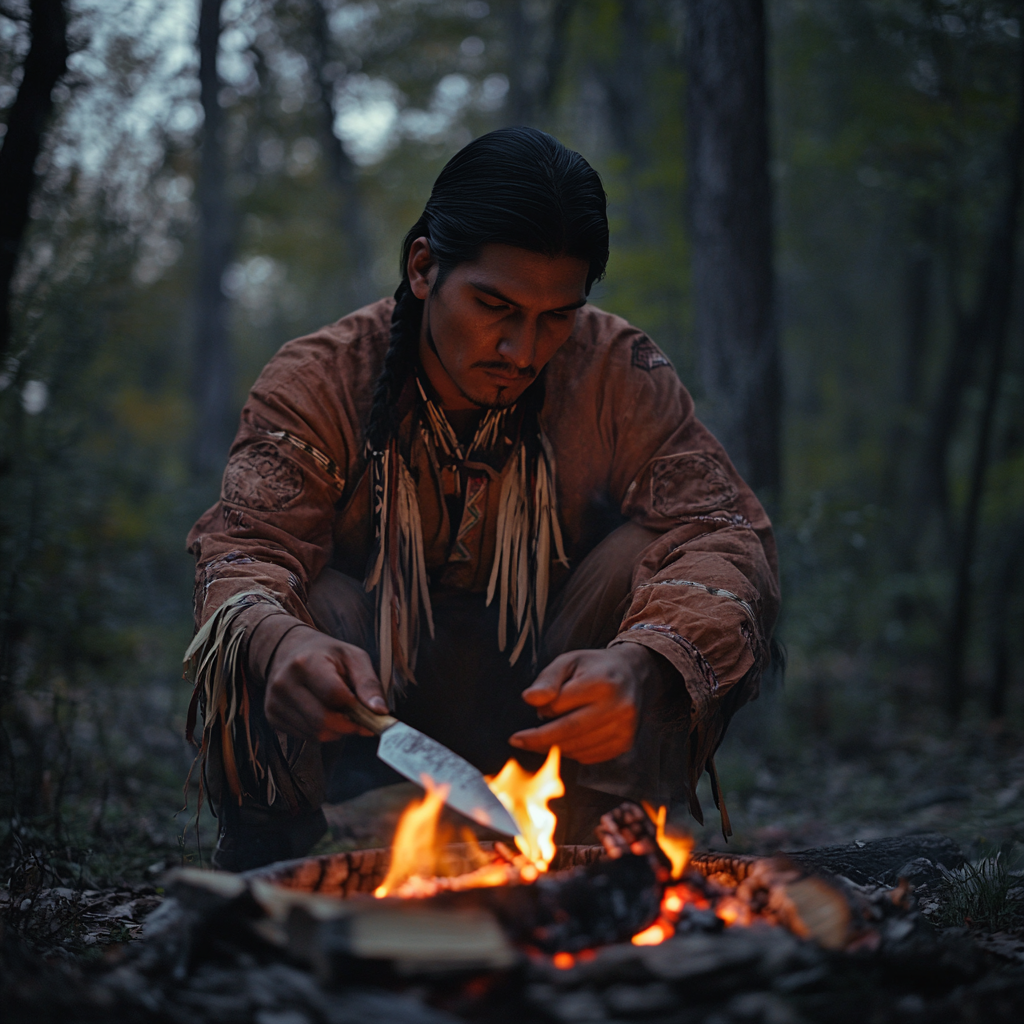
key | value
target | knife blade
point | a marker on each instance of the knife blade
(414, 754)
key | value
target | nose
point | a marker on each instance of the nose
(519, 344)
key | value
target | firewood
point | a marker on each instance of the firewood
(604, 902)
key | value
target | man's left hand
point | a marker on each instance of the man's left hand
(592, 697)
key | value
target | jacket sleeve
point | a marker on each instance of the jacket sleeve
(270, 534)
(705, 594)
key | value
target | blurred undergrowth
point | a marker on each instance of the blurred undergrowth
(987, 894)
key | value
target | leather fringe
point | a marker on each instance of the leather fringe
(526, 532)
(398, 571)
(213, 665)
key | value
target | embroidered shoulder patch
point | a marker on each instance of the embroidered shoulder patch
(261, 478)
(646, 355)
(690, 482)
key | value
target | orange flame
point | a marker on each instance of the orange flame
(676, 848)
(414, 851)
(526, 797)
(417, 856)
(655, 935)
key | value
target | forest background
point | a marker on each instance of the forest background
(197, 205)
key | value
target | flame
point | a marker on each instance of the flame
(676, 848)
(526, 797)
(417, 854)
(414, 851)
(655, 935)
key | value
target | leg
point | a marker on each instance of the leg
(260, 832)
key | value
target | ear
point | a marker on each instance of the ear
(421, 268)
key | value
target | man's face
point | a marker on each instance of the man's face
(494, 323)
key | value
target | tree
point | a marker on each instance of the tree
(730, 207)
(988, 327)
(212, 366)
(537, 49)
(341, 169)
(44, 65)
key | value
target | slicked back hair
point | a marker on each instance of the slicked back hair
(514, 186)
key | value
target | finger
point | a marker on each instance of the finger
(609, 735)
(364, 682)
(287, 721)
(578, 692)
(336, 724)
(546, 686)
(563, 730)
(302, 710)
(602, 747)
(323, 675)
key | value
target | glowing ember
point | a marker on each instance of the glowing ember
(526, 797)
(676, 848)
(563, 961)
(414, 851)
(734, 911)
(653, 936)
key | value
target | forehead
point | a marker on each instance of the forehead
(526, 276)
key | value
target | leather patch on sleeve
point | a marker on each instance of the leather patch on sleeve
(689, 482)
(261, 478)
(646, 355)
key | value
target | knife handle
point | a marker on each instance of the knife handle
(362, 715)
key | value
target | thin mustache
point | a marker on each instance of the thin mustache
(508, 369)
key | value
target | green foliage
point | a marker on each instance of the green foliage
(985, 895)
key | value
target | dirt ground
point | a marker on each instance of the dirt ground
(791, 782)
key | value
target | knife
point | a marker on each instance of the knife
(413, 754)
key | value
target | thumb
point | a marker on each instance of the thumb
(365, 684)
(548, 684)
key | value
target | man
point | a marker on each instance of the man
(486, 506)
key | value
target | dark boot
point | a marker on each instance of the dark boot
(250, 838)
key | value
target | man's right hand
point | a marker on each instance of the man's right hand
(312, 678)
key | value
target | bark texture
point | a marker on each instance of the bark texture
(989, 329)
(731, 228)
(44, 65)
(537, 43)
(212, 365)
(343, 176)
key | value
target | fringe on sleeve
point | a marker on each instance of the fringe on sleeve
(213, 665)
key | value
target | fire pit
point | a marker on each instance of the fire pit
(640, 886)
(618, 931)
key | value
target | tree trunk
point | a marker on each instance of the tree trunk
(535, 59)
(360, 288)
(213, 365)
(730, 206)
(44, 65)
(1002, 595)
(992, 324)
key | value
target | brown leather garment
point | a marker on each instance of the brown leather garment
(627, 446)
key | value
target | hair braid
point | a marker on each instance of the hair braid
(399, 362)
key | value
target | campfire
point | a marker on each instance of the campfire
(640, 885)
(638, 924)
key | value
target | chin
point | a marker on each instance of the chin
(493, 397)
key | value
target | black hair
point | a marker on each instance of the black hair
(514, 186)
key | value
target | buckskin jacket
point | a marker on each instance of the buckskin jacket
(626, 444)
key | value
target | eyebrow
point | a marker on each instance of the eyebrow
(494, 293)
